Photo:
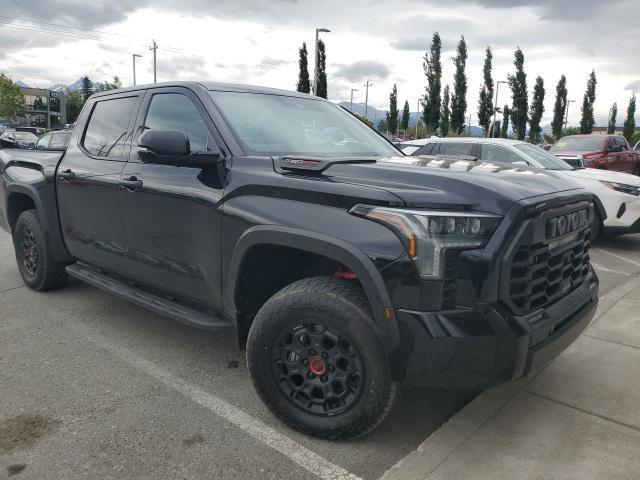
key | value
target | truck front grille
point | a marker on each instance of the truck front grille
(539, 271)
(451, 268)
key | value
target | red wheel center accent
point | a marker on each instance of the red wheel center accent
(317, 366)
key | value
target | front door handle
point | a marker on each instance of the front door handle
(131, 183)
(67, 175)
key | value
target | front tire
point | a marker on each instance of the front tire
(37, 267)
(317, 362)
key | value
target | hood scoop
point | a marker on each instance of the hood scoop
(317, 164)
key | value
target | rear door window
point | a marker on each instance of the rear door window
(59, 140)
(426, 149)
(43, 142)
(107, 131)
(453, 148)
(498, 153)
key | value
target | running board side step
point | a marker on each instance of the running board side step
(159, 305)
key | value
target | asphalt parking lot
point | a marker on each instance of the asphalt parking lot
(94, 387)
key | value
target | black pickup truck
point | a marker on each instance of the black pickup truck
(345, 268)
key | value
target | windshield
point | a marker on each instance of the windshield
(280, 125)
(548, 161)
(581, 144)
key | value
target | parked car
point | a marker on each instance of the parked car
(618, 194)
(344, 267)
(608, 152)
(13, 139)
(37, 131)
(57, 140)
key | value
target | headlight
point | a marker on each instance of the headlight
(622, 187)
(428, 234)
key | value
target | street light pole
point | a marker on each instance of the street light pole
(366, 97)
(154, 48)
(315, 70)
(352, 90)
(566, 118)
(134, 67)
(495, 107)
(418, 117)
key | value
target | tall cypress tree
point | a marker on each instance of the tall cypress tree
(518, 84)
(446, 113)
(86, 88)
(505, 121)
(392, 114)
(630, 122)
(559, 108)
(304, 85)
(321, 88)
(485, 102)
(433, 71)
(587, 121)
(611, 128)
(459, 98)
(406, 114)
(537, 109)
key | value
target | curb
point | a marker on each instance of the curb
(444, 442)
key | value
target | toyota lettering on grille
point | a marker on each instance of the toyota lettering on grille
(567, 223)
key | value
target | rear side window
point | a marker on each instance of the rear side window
(451, 148)
(43, 142)
(426, 149)
(59, 140)
(497, 153)
(106, 133)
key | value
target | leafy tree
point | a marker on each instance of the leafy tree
(587, 121)
(560, 107)
(106, 85)
(11, 98)
(485, 103)
(518, 84)
(383, 126)
(392, 114)
(611, 127)
(505, 122)
(570, 131)
(304, 85)
(635, 138)
(433, 71)
(86, 89)
(75, 102)
(459, 98)
(406, 114)
(321, 88)
(445, 117)
(630, 123)
(537, 109)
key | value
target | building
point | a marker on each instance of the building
(603, 130)
(44, 108)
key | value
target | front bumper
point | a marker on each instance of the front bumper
(465, 348)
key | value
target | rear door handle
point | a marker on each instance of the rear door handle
(67, 175)
(131, 183)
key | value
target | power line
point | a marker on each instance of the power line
(61, 26)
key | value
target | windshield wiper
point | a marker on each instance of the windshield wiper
(317, 164)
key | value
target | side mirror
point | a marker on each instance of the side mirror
(164, 143)
(520, 163)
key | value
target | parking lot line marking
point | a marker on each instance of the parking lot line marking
(620, 257)
(605, 269)
(259, 430)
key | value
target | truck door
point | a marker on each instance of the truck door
(172, 219)
(625, 157)
(88, 181)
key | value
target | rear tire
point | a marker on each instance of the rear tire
(37, 267)
(317, 362)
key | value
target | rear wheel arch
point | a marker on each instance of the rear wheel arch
(327, 252)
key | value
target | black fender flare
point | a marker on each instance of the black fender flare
(48, 219)
(347, 254)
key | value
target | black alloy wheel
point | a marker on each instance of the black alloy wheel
(318, 368)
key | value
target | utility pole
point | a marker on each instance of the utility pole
(134, 67)
(154, 48)
(352, 90)
(315, 70)
(366, 98)
(566, 117)
(495, 108)
(418, 117)
(469, 125)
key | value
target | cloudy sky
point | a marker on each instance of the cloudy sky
(251, 41)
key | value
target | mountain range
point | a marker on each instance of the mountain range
(60, 87)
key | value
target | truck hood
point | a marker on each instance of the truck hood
(434, 182)
(603, 175)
